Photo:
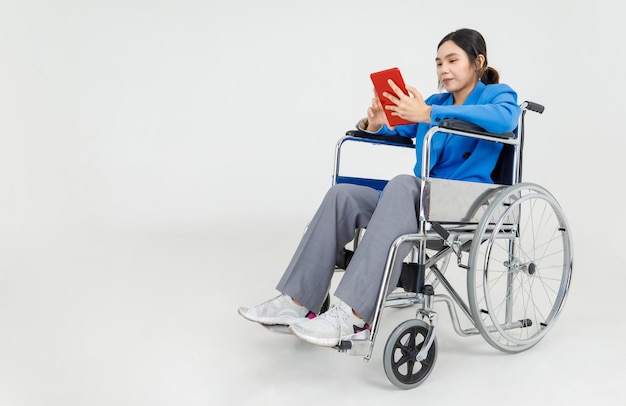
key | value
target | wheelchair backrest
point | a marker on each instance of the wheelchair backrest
(502, 173)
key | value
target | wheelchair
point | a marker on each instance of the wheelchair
(511, 241)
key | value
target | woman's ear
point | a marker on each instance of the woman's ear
(480, 64)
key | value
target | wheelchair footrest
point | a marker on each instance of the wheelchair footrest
(354, 347)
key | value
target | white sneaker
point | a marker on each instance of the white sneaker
(328, 329)
(280, 310)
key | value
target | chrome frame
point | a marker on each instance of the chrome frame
(460, 233)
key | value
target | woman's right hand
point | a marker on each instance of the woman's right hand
(376, 115)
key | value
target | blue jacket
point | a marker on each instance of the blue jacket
(492, 107)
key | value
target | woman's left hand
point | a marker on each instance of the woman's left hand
(411, 108)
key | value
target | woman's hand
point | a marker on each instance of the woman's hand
(375, 115)
(411, 108)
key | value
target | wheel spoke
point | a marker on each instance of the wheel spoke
(403, 360)
(409, 371)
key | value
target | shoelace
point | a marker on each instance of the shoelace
(339, 313)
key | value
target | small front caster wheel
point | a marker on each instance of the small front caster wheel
(400, 357)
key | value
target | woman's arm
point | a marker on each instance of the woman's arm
(409, 130)
(496, 110)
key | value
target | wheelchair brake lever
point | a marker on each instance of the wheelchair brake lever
(457, 247)
(440, 230)
(452, 242)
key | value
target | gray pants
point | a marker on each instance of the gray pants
(345, 208)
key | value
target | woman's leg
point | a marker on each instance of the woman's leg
(395, 215)
(344, 208)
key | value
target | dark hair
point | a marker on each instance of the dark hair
(473, 43)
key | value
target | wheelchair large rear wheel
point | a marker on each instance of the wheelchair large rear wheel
(520, 267)
(400, 356)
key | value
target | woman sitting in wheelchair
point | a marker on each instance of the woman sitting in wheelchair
(472, 94)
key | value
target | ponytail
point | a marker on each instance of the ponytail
(490, 76)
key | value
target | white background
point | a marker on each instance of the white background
(216, 121)
(195, 114)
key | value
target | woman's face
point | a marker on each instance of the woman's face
(454, 70)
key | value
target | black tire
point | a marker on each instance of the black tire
(399, 359)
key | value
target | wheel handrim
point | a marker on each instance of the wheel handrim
(516, 299)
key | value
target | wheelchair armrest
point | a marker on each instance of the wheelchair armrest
(385, 139)
(458, 125)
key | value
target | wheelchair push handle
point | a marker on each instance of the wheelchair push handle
(532, 106)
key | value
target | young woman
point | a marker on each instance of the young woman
(472, 94)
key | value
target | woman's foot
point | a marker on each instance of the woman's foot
(330, 328)
(281, 310)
